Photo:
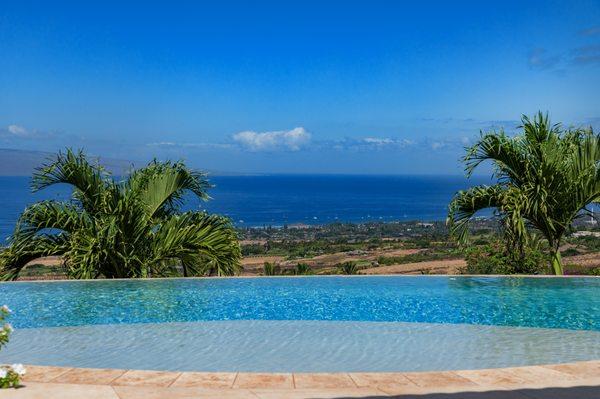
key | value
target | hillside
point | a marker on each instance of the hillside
(22, 162)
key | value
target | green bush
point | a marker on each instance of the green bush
(348, 268)
(302, 269)
(253, 249)
(423, 256)
(270, 269)
(494, 258)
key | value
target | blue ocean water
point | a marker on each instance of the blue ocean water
(286, 199)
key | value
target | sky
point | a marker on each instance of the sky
(356, 87)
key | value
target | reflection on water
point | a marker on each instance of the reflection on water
(299, 346)
(570, 303)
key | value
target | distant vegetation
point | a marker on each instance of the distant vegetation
(131, 228)
(270, 269)
(495, 258)
(426, 255)
(546, 178)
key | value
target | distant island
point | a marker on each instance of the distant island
(23, 162)
(14, 162)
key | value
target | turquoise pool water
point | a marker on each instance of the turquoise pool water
(305, 323)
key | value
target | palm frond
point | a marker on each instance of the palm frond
(205, 244)
(54, 215)
(466, 204)
(24, 249)
(130, 229)
(89, 181)
(162, 186)
(547, 177)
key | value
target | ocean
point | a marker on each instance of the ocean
(278, 200)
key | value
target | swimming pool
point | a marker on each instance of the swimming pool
(338, 323)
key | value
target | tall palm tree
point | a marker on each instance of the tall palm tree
(130, 228)
(546, 177)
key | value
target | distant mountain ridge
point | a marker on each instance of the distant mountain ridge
(23, 162)
(15, 162)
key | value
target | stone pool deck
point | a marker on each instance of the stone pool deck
(579, 380)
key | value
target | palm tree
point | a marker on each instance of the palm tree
(131, 228)
(348, 268)
(546, 177)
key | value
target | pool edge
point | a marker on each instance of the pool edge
(312, 276)
(125, 383)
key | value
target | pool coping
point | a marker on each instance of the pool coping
(449, 276)
(522, 381)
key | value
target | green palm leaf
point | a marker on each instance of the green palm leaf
(547, 177)
(128, 229)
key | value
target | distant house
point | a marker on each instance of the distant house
(585, 233)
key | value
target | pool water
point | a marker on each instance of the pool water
(341, 323)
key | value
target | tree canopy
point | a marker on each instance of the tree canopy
(547, 176)
(122, 229)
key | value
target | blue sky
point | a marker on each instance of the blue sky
(292, 87)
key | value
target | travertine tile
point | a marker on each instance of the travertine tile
(440, 379)
(147, 378)
(323, 381)
(129, 392)
(205, 380)
(44, 373)
(33, 390)
(492, 378)
(264, 380)
(570, 380)
(388, 380)
(542, 376)
(579, 370)
(89, 376)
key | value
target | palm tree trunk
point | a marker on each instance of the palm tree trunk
(556, 261)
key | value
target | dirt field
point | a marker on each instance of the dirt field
(449, 266)
(253, 265)
(587, 260)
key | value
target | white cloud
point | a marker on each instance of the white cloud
(378, 140)
(17, 130)
(291, 140)
(163, 144)
(172, 144)
(436, 145)
(386, 142)
(369, 143)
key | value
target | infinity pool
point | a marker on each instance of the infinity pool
(305, 323)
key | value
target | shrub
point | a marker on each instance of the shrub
(270, 269)
(570, 252)
(10, 376)
(580, 270)
(302, 269)
(348, 268)
(494, 258)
